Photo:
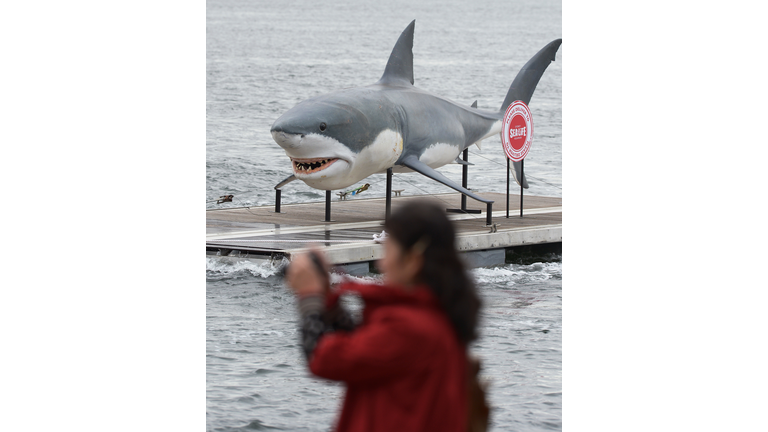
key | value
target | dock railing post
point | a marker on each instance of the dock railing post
(464, 174)
(327, 206)
(389, 194)
(489, 214)
(464, 177)
(278, 194)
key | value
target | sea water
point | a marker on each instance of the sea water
(262, 59)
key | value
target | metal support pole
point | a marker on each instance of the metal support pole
(507, 188)
(389, 193)
(278, 192)
(328, 206)
(489, 214)
(464, 177)
(464, 173)
(522, 164)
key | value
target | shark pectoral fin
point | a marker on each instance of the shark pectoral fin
(516, 166)
(462, 161)
(478, 145)
(286, 181)
(474, 104)
(415, 164)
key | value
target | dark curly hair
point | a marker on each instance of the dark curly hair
(425, 223)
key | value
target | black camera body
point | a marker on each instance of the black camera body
(315, 259)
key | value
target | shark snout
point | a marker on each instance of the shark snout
(287, 124)
(287, 140)
(286, 134)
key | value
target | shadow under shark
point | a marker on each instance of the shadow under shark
(337, 139)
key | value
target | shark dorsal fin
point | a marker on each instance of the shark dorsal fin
(399, 68)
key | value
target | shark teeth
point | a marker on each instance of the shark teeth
(309, 166)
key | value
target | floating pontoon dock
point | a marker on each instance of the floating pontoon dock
(261, 233)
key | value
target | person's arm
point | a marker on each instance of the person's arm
(308, 278)
(315, 321)
(375, 352)
(312, 322)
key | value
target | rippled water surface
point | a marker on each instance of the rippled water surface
(257, 378)
(263, 58)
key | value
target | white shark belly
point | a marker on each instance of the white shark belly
(439, 154)
(379, 155)
(494, 130)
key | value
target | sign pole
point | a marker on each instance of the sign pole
(522, 164)
(516, 137)
(507, 188)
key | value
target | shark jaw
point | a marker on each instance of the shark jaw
(325, 173)
(324, 163)
(319, 161)
(311, 166)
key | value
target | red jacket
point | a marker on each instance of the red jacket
(404, 368)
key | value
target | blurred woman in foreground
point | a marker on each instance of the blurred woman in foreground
(405, 366)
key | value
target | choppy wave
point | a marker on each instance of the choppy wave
(339, 278)
(226, 266)
(512, 274)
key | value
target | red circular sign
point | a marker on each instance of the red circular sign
(517, 131)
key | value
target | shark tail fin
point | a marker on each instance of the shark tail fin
(526, 80)
(519, 177)
(399, 68)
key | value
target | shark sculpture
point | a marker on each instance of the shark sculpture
(337, 139)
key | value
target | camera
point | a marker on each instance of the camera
(315, 259)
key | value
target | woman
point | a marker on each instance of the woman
(405, 365)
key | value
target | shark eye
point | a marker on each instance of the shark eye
(323, 126)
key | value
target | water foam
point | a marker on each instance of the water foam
(225, 266)
(341, 278)
(511, 274)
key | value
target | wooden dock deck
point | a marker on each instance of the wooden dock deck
(260, 233)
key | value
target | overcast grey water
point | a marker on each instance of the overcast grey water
(263, 58)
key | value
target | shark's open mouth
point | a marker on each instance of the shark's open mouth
(309, 166)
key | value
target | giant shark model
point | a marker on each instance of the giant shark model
(337, 139)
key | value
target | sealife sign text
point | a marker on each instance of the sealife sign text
(517, 131)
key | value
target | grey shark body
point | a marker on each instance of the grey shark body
(337, 139)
